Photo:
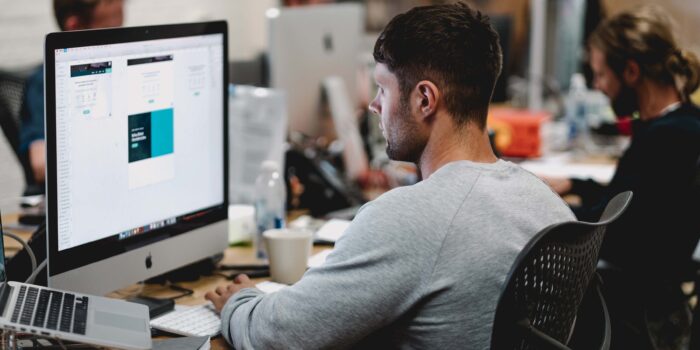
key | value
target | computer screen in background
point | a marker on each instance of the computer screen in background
(137, 171)
(307, 45)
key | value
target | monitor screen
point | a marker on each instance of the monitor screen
(307, 45)
(138, 134)
(136, 122)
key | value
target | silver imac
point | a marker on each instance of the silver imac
(306, 46)
(137, 162)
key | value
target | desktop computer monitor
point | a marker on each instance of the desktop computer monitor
(307, 45)
(136, 123)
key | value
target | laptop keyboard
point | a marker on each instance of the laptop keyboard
(51, 309)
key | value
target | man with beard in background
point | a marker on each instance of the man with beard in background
(636, 62)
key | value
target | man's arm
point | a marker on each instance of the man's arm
(374, 275)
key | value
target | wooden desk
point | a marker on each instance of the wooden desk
(234, 255)
(12, 246)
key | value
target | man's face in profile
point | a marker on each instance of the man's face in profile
(397, 122)
(623, 99)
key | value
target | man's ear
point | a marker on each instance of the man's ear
(632, 73)
(426, 98)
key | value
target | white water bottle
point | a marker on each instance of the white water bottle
(270, 200)
(576, 113)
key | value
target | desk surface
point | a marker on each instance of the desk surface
(600, 169)
(232, 255)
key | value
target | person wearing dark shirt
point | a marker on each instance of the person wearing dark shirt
(636, 62)
(70, 15)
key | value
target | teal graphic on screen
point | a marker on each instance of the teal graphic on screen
(150, 134)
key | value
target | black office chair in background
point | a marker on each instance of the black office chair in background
(11, 103)
(551, 298)
(694, 273)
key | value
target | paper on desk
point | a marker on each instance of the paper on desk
(270, 287)
(319, 258)
(315, 260)
(561, 166)
(332, 230)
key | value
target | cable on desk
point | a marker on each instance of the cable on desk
(24, 244)
(36, 271)
(185, 291)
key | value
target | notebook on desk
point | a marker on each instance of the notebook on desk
(71, 316)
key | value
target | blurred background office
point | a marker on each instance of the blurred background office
(335, 160)
(561, 54)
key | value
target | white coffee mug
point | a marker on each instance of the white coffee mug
(288, 252)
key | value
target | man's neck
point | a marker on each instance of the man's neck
(450, 143)
(655, 98)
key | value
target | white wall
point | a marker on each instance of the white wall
(23, 24)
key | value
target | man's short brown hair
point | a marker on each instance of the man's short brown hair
(454, 46)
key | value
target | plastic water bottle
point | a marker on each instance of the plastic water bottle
(270, 199)
(576, 112)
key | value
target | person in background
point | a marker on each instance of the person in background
(638, 64)
(70, 15)
(422, 265)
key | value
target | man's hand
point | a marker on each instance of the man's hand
(221, 294)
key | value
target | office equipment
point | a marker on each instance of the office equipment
(540, 301)
(203, 320)
(156, 307)
(137, 163)
(346, 127)
(69, 316)
(200, 320)
(307, 45)
(517, 131)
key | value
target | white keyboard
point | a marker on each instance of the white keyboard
(201, 320)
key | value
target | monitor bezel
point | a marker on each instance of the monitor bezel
(92, 252)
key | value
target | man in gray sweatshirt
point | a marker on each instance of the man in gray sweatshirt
(421, 266)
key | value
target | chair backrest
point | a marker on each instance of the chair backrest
(549, 278)
(11, 98)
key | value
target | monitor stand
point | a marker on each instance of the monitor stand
(346, 126)
(188, 273)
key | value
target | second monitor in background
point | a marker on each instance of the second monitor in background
(308, 45)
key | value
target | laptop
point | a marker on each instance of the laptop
(75, 317)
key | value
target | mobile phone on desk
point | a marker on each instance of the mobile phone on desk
(33, 216)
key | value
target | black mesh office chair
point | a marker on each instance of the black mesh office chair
(694, 274)
(12, 86)
(549, 282)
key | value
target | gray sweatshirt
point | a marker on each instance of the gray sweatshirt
(420, 267)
